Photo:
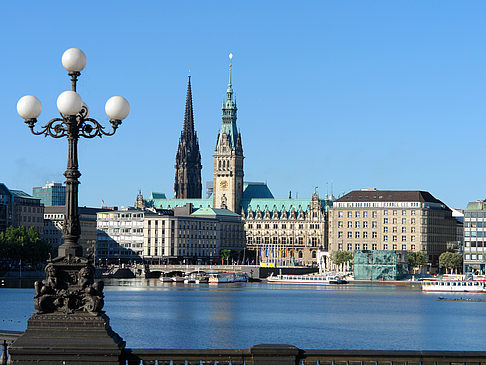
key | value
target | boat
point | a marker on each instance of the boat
(454, 286)
(228, 277)
(315, 279)
(196, 277)
(165, 279)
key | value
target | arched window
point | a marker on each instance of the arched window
(300, 254)
(314, 254)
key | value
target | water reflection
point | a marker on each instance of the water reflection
(148, 313)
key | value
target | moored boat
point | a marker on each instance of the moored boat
(196, 277)
(454, 286)
(228, 277)
(315, 279)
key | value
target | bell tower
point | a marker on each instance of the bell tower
(228, 158)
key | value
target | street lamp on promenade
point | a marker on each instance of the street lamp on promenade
(69, 323)
(73, 124)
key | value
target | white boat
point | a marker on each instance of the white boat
(196, 277)
(454, 286)
(228, 277)
(306, 279)
(178, 279)
(165, 279)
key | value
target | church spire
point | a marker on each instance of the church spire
(188, 159)
(189, 114)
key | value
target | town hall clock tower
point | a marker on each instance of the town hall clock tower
(228, 159)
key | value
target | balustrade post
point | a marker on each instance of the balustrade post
(4, 356)
(274, 354)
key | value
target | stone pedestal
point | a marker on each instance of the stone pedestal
(69, 327)
(69, 339)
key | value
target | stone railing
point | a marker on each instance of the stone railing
(291, 355)
(6, 338)
(279, 355)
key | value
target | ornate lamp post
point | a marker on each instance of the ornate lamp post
(69, 323)
(73, 123)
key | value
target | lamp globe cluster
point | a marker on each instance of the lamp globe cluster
(70, 103)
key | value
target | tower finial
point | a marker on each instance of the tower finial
(189, 73)
(230, 65)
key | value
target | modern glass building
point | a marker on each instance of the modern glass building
(50, 194)
(475, 238)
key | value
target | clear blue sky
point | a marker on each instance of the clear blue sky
(385, 94)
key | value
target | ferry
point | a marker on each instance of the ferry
(454, 286)
(306, 279)
(228, 277)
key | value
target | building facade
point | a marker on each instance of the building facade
(474, 249)
(192, 237)
(188, 158)
(6, 208)
(285, 232)
(28, 211)
(18, 208)
(371, 219)
(228, 159)
(54, 220)
(50, 194)
(120, 235)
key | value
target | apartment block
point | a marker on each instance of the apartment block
(371, 219)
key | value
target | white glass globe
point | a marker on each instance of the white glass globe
(117, 108)
(29, 107)
(69, 103)
(73, 60)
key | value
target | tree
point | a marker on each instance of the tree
(340, 258)
(416, 259)
(450, 260)
(24, 244)
(225, 255)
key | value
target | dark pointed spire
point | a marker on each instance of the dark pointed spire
(188, 159)
(189, 114)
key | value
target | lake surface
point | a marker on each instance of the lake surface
(151, 314)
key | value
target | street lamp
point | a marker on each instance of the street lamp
(73, 123)
(69, 320)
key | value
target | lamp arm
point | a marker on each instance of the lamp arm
(56, 128)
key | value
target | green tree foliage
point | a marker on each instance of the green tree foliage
(416, 259)
(225, 255)
(24, 244)
(341, 257)
(450, 260)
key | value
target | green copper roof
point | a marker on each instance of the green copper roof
(228, 126)
(478, 205)
(155, 195)
(162, 203)
(22, 194)
(253, 190)
(214, 212)
(288, 204)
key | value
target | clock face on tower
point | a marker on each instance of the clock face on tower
(223, 184)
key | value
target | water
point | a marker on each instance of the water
(150, 314)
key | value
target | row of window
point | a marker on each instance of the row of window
(283, 226)
(283, 240)
(374, 246)
(374, 213)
